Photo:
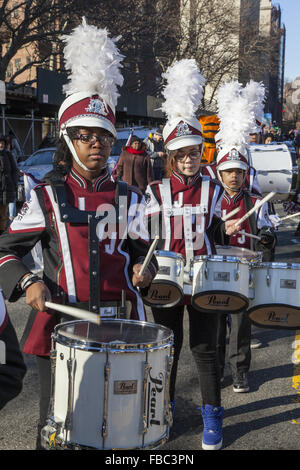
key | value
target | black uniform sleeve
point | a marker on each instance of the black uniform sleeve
(216, 232)
(13, 370)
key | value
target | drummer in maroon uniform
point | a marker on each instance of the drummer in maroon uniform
(232, 166)
(91, 259)
(186, 207)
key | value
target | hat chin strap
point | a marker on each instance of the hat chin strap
(73, 151)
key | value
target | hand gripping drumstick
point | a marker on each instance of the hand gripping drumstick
(75, 312)
(227, 216)
(149, 255)
(265, 199)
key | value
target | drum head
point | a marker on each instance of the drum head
(220, 301)
(276, 316)
(163, 294)
(238, 252)
(114, 334)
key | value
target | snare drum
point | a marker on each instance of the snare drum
(166, 289)
(276, 303)
(221, 282)
(110, 386)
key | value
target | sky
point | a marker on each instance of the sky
(290, 11)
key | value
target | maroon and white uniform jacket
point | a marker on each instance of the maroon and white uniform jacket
(187, 211)
(250, 183)
(66, 253)
(259, 220)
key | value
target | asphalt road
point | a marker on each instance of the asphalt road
(266, 418)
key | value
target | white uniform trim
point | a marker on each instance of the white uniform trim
(63, 237)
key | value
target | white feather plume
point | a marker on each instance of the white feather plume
(237, 118)
(255, 94)
(94, 61)
(184, 89)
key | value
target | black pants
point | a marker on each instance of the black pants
(44, 370)
(239, 351)
(203, 337)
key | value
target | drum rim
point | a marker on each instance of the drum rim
(92, 345)
(167, 305)
(279, 326)
(237, 294)
(276, 264)
(222, 258)
(169, 254)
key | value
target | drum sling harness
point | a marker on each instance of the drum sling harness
(71, 214)
(187, 211)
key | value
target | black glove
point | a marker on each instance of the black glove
(267, 236)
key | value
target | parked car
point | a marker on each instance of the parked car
(37, 165)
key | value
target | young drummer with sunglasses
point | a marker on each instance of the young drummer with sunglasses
(90, 257)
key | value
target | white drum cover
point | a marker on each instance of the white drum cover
(120, 384)
(276, 303)
(166, 289)
(276, 169)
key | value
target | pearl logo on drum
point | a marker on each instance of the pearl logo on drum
(155, 396)
(125, 387)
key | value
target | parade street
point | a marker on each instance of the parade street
(266, 418)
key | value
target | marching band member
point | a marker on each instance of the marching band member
(186, 209)
(89, 255)
(232, 166)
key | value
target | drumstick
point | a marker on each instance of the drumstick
(149, 255)
(250, 235)
(290, 216)
(75, 312)
(227, 216)
(265, 199)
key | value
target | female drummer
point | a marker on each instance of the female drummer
(186, 209)
(88, 259)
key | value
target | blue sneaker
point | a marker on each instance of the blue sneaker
(212, 434)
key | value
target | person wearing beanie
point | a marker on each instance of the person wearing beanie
(184, 209)
(90, 261)
(134, 165)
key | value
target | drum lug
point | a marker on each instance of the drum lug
(168, 415)
(237, 274)
(251, 280)
(268, 279)
(105, 405)
(69, 415)
(191, 270)
(144, 417)
(206, 271)
(178, 269)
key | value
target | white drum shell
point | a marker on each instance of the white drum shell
(124, 420)
(276, 169)
(220, 273)
(276, 283)
(170, 273)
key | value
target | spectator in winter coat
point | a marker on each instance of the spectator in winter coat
(155, 149)
(8, 182)
(134, 165)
